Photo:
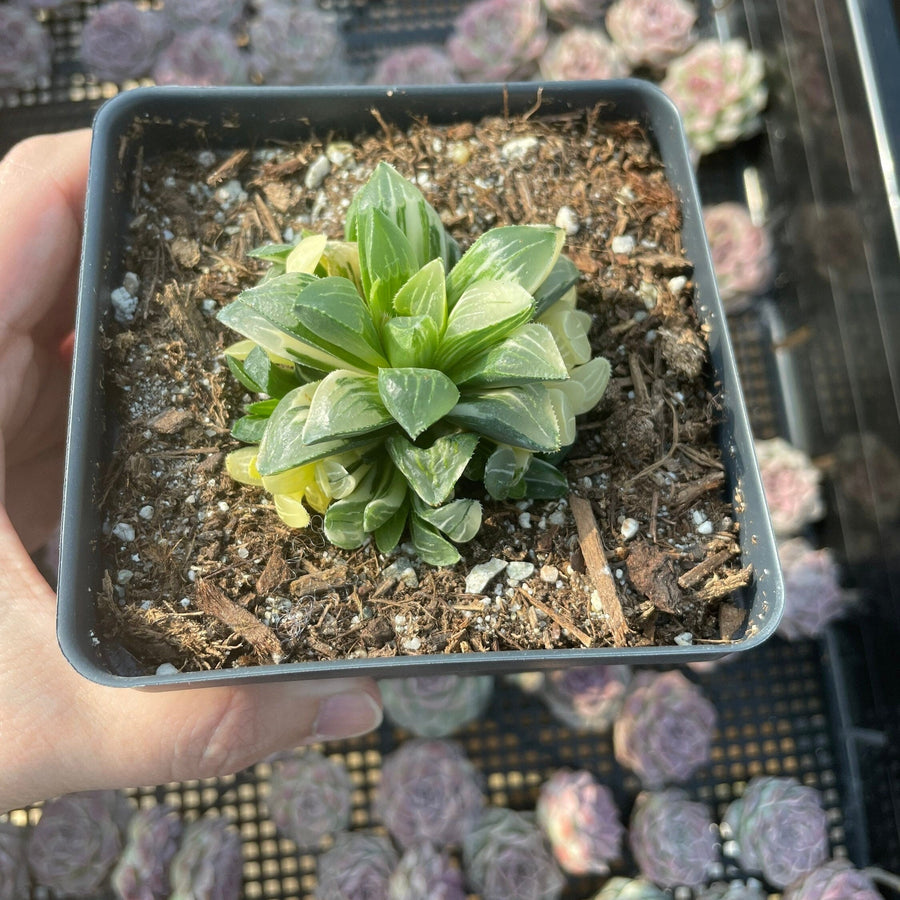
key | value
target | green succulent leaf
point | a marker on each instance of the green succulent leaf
(520, 254)
(341, 258)
(543, 481)
(565, 415)
(271, 379)
(504, 469)
(587, 384)
(570, 328)
(416, 398)
(433, 472)
(521, 416)
(562, 278)
(410, 341)
(388, 497)
(249, 429)
(387, 536)
(306, 254)
(345, 405)
(434, 549)
(344, 518)
(529, 354)
(458, 519)
(386, 261)
(425, 294)
(272, 252)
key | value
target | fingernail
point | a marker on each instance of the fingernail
(346, 715)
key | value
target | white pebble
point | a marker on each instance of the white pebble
(124, 305)
(185, 602)
(705, 527)
(630, 528)
(412, 644)
(146, 512)
(676, 284)
(549, 574)
(317, 173)
(623, 244)
(131, 283)
(206, 158)
(519, 149)
(557, 518)
(223, 506)
(243, 552)
(166, 669)
(124, 532)
(481, 575)
(401, 570)
(525, 520)
(567, 220)
(209, 305)
(124, 576)
(519, 571)
(230, 193)
(685, 639)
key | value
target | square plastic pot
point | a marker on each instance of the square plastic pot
(139, 125)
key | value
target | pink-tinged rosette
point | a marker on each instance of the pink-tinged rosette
(741, 253)
(208, 864)
(586, 697)
(582, 54)
(416, 64)
(203, 57)
(791, 484)
(673, 839)
(424, 871)
(151, 841)
(580, 819)
(357, 867)
(434, 706)
(664, 732)
(834, 880)
(629, 889)
(652, 32)
(777, 828)
(14, 878)
(120, 41)
(26, 51)
(429, 791)
(736, 890)
(720, 91)
(498, 40)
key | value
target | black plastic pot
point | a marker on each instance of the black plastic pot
(141, 124)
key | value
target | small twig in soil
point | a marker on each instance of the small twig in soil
(213, 602)
(664, 459)
(686, 496)
(641, 394)
(562, 620)
(707, 567)
(718, 588)
(267, 219)
(227, 168)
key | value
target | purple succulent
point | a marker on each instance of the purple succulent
(185, 15)
(14, 878)
(737, 890)
(26, 51)
(567, 13)
(498, 40)
(673, 839)
(791, 485)
(435, 705)
(741, 253)
(120, 41)
(778, 828)
(74, 846)
(720, 91)
(812, 595)
(424, 871)
(416, 64)
(142, 872)
(664, 732)
(310, 797)
(505, 855)
(208, 864)
(586, 697)
(580, 54)
(629, 889)
(580, 819)
(203, 57)
(429, 791)
(834, 880)
(652, 32)
(357, 867)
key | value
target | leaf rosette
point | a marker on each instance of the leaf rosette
(391, 366)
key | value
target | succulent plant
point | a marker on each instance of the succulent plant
(77, 841)
(505, 855)
(121, 41)
(736, 890)
(142, 871)
(629, 889)
(498, 40)
(568, 13)
(26, 51)
(357, 867)
(741, 253)
(424, 871)
(580, 819)
(415, 64)
(579, 54)
(208, 864)
(14, 878)
(185, 15)
(652, 32)
(778, 828)
(720, 91)
(833, 880)
(429, 791)
(434, 706)
(202, 57)
(392, 368)
(664, 731)
(673, 839)
(586, 697)
(813, 597)
(791, 484)
(310, 797)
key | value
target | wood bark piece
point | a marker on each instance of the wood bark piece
(275, 573)
(653, 574)
(561, 619)
(707, 567)
(213, 602)
(598, 569)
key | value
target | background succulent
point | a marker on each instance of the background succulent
(791, 484)
(416, 64)
(151, 840)
(26, 51)
(580, 819)
(619, 888)
(424, 871)
(434, 706)
(586, 697)
(208, 864)
(14, 878)
(187, 14)
(652, 32)
(778, 828)
(567, 13)
(121, 41)
(834, 880)
(202, 57)
(358, 866)
(581, 54)
(392, 368)
(736, 890)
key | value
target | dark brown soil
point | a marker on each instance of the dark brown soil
(214, 579)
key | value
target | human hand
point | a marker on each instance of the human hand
(59, 732)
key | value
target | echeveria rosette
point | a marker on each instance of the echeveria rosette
(208, 865)
(582, 54)
(26, 50)
(720, 91)
(833, 880)
(580, 819)
(77, 841)
(498, 40)
(588, 698)
(416, 64)
(778, 828)
(652, 32)
(673, 839)
(392, 368)
(736, 890)
(202, 57)
(792, 485)
(424, 871)
(310, 797)
(620, 888)
(121, 41)
(357, 867)
(14, 878)
(151, 840)
(506, 855)
(435, 706)
(664, 731)
(429, 791)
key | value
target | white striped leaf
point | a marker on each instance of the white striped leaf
(345, 405)
(410, 341)
(416, 398)
(458, 519)
(433, 472)
(430, 546)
